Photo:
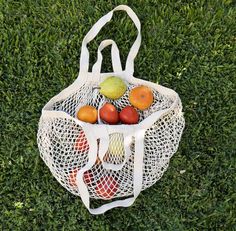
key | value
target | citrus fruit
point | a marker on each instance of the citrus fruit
(141, 97)
(88, 114)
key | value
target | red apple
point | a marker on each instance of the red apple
(88, 177)
(81, 143)
(129, 115)
(109, 114)
(106, 187)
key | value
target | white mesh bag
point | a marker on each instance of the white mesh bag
(101, 161)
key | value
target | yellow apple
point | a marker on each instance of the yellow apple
(116, 144)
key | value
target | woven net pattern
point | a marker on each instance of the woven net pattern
(64, 147)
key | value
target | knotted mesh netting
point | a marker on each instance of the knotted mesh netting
(64, 146)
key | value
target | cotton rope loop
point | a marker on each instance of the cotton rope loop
(102, 161)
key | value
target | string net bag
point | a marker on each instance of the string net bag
(113, 163)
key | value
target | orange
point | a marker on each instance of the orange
(141, 97)
(88, 114)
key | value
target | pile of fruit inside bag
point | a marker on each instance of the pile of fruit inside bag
(113, 88)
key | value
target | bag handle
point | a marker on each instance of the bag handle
(137, 177)
(115, 57)
(84, 56)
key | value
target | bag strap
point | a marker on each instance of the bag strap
(137, 174)
(115, 58)
(84, 56)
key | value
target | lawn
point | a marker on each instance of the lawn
(189, 46)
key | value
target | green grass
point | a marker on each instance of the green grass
(189, 46)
